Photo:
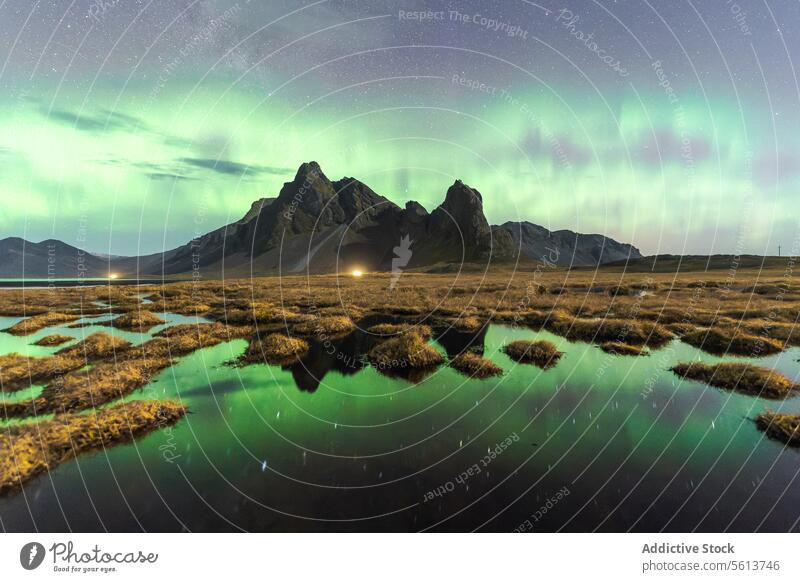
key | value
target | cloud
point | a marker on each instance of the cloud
(168, 176)
(231, 168)
(106, 122)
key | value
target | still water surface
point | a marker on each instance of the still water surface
(333, 445)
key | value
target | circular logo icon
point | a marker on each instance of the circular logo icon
(31, 555)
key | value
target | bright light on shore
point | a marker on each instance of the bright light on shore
(357, 273)
(112, 275)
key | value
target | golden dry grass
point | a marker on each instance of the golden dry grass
(329, 326)
(783, 427)
(541, 353)
(393, 329)
(31, 449)
(82, 389)
(475, 366)
(740, 377)
(732, 341)
(408, 350)
(54, 339)
(18, 372)
(623, 349)
(274, 348)
(467, 324)
(138, 320)
(94, 347)
(33, 324)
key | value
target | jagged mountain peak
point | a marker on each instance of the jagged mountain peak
(318, 225)
(460, 193)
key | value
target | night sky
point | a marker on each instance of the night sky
(131, 126)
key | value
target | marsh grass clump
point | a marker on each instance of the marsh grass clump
(393, 329)
(183, 339)
(680, 328)
(33, 324)
(18, 372)
(739, 377)
(782, 427)
(54, 339)
(30, 449)
(538, 319)
(606, 329)
(540, 353)
(275, 349)
(89, 388)
(784, 333)
(733, 341)
(94, 347)
(138, 320)
(623, 349)
(408, 350)
(467, 324)
(330, 326)
(475, 366)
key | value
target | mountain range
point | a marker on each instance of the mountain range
(318, 225)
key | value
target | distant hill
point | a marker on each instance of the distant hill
(318, 225)
(566, 248)
(50, 258)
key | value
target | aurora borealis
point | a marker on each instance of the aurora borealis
(137, 125)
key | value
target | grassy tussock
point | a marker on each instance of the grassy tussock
(680, 329)
(732, 341)
(275, 348)
(783, 427)
(605, 330)
(33, 324)
(540, 353)
(393, 329)
(18, 372)
(623, 349)
(186, 338)
(467, 324)
(94, 347)
(257, 313)
(408, 350)
(325, 326)
(54, 339)
(31, 449)
(90, 388)
(138, 320)
(475, 366)
(739, 377)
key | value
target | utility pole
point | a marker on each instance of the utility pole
(779, 250)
